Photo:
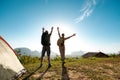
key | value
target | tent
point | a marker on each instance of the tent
(10, 66)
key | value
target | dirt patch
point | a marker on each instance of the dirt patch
(74, 75)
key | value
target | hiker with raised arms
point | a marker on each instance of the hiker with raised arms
(45, 41)
(61, 44)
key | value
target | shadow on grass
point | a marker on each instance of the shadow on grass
(65, 75)
(41, 76)
(26, 78)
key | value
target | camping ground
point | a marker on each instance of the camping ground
(75, 69)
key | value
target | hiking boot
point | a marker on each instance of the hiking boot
(49, 65)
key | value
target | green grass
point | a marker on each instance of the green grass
(77, 68)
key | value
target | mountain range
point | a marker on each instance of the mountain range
(28, 52)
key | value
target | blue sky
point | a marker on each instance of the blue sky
(95, 22)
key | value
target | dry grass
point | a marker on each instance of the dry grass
(77, 69)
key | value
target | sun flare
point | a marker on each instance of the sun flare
(68, 31)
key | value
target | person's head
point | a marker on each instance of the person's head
(46, 32)
(63, 34)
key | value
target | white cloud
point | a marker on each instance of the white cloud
(87, 9)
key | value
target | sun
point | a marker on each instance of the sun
(76, 43)
(73, 44)
(68, 31)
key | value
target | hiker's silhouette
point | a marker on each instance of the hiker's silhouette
(45, 41)
(61, 45)
(65, 75)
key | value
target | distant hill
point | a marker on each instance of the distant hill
(77, 54)
(28, 52)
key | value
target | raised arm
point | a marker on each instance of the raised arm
(58, 31)
(70, 36)
(43, 30)
(51, 30)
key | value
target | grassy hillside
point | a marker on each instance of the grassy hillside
(74, 69)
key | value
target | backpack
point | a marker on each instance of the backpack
(45, 39)
(60, 42)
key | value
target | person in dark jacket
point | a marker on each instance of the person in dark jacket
(45, 41)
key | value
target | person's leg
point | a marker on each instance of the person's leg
(61, 49)
(42, 55)
(63, 54)
(48, 54)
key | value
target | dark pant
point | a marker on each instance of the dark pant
(46, 49)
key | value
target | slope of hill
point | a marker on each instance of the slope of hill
(77, 54)
(26, 51)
